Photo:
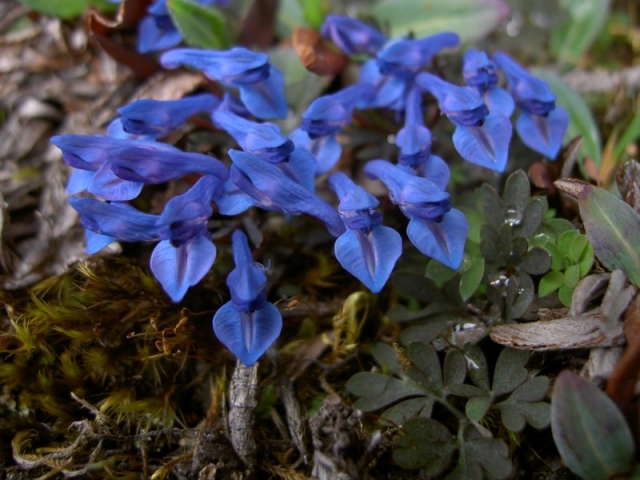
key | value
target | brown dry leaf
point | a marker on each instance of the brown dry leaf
(628, 182)
(51, 82)
(316, 54)
(103, 31)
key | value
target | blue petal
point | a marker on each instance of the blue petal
(479, 72)
(443, 241)
(389, 89)
(352, 197)
(404, 57)
(151, 38)
(228, 66)
(96, 241)
(543, 134)
(301, 167)
(247, 281)
(107, 185)
(261, 139)
(266, 99)
(369, 256)
(155, 162)
(86, 152)
(499, 101)
(437, 171)
(487, 145)
(247, 335)
(405, 188)
(326, 149)
(79, 180)
(328, 114)
(351, 35)
(116, 220)
(532, 94)
(116, 130)
(160, 117)
(177, 269)
(233, 201)
(267, 184)
(463, 105)
(185, 216)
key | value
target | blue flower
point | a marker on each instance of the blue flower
(261, 139)
(261, 85)
(367, 250)
(156, 30)
(117, 168)
(407, 57)
(92, 172)
(351, 35)
(248, 324)
(392, 73)
(542, 124)
(274, 190)
(436, 229)
(480, 73)
(480, 137)
(414, 139)
(185, 252)
(158, 118)
(325, 117)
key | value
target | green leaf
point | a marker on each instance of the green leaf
(438, 272)
(537, 261)
(586, 260)
(524, 405)
(475, 221)
(631, 134)
(405, 410)
(471, 19)
(565, 294)
(200, 25)
(565, 241)
(551, 282)
(480, 454)
(510, 372)
(531, 219)
(377, 391)
(58, 8)
(454, 369)
(478, 370)
(573, 37)
(491, 205)
(591, 434)
(581, 121)
(516, 194)
(425, 443)
(470, 279)
(477, 407)
(572, 276)
(314, 11)
(613, 229)
(386, 357)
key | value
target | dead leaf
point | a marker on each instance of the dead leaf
(316, 54)
(102, 30)
(628, 182)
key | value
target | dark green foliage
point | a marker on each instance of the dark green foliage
(414, 384)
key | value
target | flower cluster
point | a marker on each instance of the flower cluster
(274, 171)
